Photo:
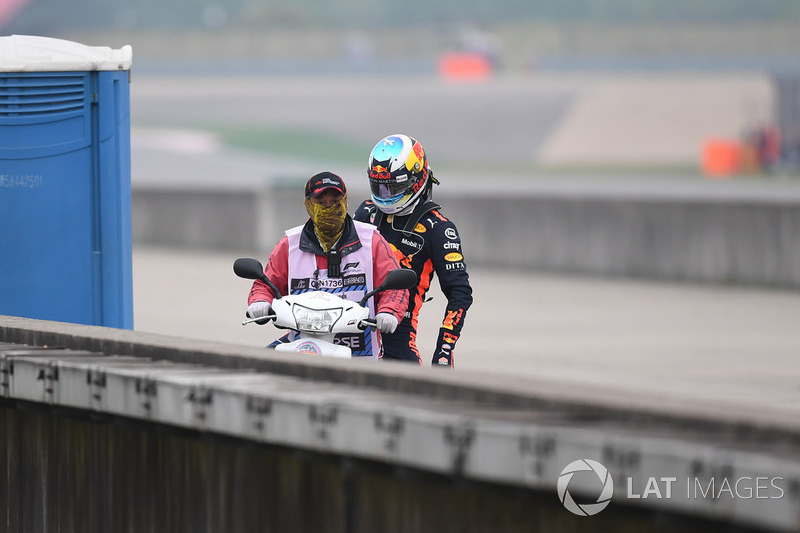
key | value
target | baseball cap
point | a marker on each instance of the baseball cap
(322, 181)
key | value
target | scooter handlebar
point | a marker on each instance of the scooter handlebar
(367, 323)
(260, 320)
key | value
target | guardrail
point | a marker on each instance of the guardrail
(360, 425)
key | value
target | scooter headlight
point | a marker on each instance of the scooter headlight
(315, 320)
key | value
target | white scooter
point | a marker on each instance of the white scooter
(318, 316)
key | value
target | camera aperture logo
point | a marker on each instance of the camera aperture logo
(585, 487)
(591, 474)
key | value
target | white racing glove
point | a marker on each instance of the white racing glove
(259, 309)
(387, 322)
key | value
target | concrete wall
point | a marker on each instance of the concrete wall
(696, 236)
(116, 430)
(72, 473)
(195, 219)
(697, 232)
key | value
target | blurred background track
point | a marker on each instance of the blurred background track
(613, 121)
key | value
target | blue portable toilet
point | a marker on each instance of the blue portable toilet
(65, 182)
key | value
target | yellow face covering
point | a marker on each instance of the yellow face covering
(328, 220)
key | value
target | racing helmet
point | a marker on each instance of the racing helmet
(399, 174)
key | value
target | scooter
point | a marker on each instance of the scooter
(317, 316)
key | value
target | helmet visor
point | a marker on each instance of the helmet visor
(389, 189)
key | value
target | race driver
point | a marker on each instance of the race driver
(422, 238)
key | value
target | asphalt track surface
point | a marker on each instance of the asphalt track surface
(734, 348)
(731, 348)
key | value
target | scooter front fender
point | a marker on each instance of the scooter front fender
(316, 347)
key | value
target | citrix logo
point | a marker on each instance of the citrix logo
(595, 471)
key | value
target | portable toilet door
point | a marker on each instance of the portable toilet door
(65, 182)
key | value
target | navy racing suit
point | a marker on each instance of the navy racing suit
(427, 242)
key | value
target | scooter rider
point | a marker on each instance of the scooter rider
(332, 252)
(422, 238)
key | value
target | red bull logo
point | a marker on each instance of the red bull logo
(403, 259)
(379, 172)
(452, 319)
(416, 161)
(419, 152)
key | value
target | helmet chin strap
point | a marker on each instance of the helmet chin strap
(431, 182)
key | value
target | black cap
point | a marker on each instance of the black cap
(323, 181)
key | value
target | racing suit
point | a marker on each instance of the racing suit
(427, 242)
(338, 271)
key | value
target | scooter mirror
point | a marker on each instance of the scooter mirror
(401, 278)
(248, 268)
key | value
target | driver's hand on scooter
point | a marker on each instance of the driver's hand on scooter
(386, 322)
(258, 310)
